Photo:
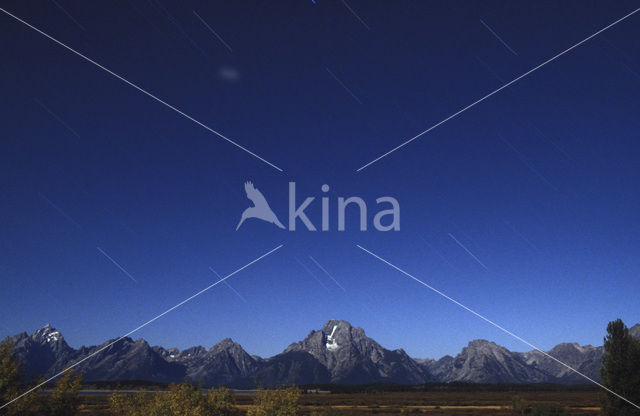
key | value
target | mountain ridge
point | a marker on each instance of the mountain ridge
(337, 353)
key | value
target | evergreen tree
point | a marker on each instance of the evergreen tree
(620, 371)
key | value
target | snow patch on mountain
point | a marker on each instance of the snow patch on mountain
(331, 344)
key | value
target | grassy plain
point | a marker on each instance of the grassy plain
(469, 403)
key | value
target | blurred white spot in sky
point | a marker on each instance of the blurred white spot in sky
(228, 73)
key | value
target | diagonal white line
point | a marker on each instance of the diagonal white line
(213, 31)
(355, 14)
(57, 208)
(63, 10)
(57, 117)
(310, 273)
(498, 37)
(235, 291)
(229, 286)
(327, 273)
(498, 90)
(141, 90)
(494, 324)
(142, 326)
(344, 86)
(122, 269)
(527, 163)
(468, 252)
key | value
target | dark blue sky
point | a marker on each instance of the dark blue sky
(539, 182)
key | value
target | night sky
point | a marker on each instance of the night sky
(525, 207)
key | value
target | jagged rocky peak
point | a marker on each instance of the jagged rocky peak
(331, 339)
(227, 345)
(338, 333)
(328, 327)
(174, 354)
(352, 357)
(47, 334)
(41, 350)
(635, 331)
(482, 347)
(481, 344)
(569, 348)
(167, 354)
(343, 327)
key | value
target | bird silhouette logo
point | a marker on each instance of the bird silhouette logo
(260, 208)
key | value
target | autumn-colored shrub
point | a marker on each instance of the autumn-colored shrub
(183, 399)
(282, 401)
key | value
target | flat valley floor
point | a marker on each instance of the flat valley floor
(392, 403)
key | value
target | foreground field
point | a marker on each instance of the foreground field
(428, 403)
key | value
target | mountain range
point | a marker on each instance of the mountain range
(337, 353)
